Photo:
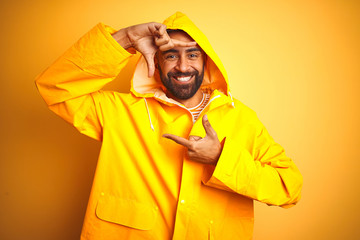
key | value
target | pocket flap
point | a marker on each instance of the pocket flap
(126, 212)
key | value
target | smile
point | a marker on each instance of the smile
(183, 79)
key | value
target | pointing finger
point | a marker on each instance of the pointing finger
(207, 126)
(178, 140)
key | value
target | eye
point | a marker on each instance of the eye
(171, 57)
(193, 55)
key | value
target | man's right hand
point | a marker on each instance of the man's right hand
(148, 38)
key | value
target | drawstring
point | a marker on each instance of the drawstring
(147, 109)
(148, 112)
(232, 100)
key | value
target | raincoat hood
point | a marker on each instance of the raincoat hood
(215, 76)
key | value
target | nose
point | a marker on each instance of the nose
(183, 64)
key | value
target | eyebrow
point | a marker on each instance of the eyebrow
(195, 49)
(170, 51)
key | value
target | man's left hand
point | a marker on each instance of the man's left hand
(204, 150)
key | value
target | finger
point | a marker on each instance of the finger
(157, 29)
(150, 63)
(194, 138)
(178, 43)
(162, 30)
(207, 126)
(166, 46)
(163, 40)
(178, 140)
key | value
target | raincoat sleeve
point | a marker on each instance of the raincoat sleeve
(70, 86)
(259, 170)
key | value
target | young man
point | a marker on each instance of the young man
(164, 171)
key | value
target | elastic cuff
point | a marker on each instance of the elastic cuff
(107, 31)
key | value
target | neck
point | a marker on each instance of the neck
(191, 102)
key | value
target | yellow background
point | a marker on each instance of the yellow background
(296, 63)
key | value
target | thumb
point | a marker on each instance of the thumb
(150, 64)
(208, 128)
(194, 138)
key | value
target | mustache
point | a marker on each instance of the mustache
(182, 74)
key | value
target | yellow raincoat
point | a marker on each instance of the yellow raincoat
(144, 186)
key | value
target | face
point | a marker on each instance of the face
(181, 69)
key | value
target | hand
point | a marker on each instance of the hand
(148, 38)
(204, 150)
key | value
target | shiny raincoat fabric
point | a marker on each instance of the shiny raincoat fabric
(144, 186)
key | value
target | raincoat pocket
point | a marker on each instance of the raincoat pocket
(126, 212)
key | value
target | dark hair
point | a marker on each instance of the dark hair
(175, 30)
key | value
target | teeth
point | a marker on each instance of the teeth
(183, 79)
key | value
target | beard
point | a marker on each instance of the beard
(182, 91)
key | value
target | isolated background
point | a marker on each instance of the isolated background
(296, 63)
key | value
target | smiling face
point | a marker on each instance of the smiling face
(181, 69)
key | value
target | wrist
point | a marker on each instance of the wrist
(122, 38)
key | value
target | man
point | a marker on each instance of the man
(165, 172)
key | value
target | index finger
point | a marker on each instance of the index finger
(178, 140)
(178, 43)
(207, 126)
(175, 43)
